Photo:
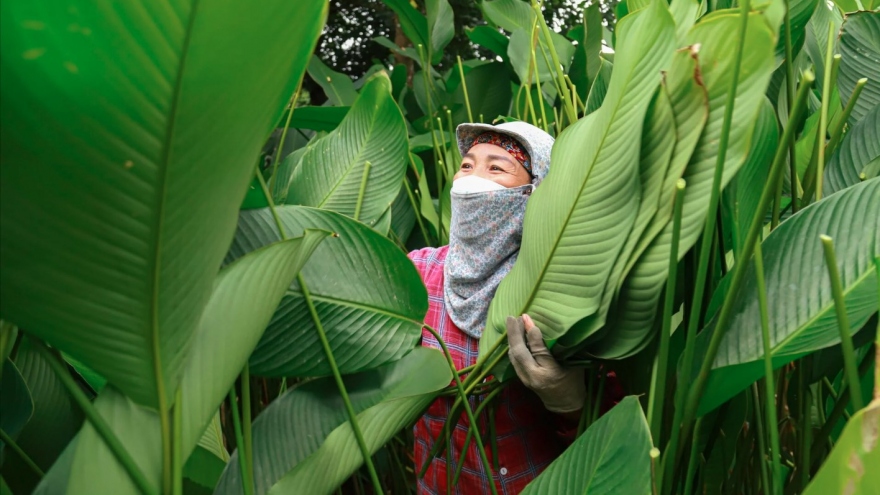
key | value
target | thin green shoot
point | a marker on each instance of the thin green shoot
(846, 345)
(823, 111)
(770, 389)
(247, 484)
(657, 393)
(21, 454)
(467, 101)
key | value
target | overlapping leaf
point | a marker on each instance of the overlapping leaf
(803, 318)
(368, 296)
(245, 294)
(332, 171)
(578, 219)
(130, 132)
(612, 456)
(303, 442)
(641, 290)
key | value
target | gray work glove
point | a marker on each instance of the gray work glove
(562, 390)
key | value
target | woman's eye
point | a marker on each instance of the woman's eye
(495, 168)
(465, 166)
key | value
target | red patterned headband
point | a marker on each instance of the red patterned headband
(508, 144)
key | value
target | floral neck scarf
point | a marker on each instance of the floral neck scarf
(484, 238)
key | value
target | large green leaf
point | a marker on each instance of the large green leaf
(816, 40)
(245, 294)
(858, 153)
(612, 456)
(338, 87)
(578, 219)
(55, 420)
(634, 315)
(413, 23)
(860, 57)
(368, 296)
(657, 142)
(130, 132)
(852, 465)
(743, 193)
(441, 26)
(303, 442)
(802, 316)
(331, 172)
(509, 14)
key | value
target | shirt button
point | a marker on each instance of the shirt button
(503, 471)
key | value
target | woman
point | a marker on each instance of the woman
(501, 165)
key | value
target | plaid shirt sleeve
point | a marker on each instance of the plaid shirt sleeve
(528, 438)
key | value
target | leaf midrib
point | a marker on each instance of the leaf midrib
(352, 304)
(807, 324)
(356, 159)
(160, 210)
(616, 109)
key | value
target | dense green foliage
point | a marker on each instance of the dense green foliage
(203, 276)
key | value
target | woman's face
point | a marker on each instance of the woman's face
(494, 163)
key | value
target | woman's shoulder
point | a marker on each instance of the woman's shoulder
(429, 260)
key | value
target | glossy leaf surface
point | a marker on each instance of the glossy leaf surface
(577, 220)
(127, 149)
(332, 170)
(245, 294)
(303, 442)
(612, 456)
(803, 318)
(367, 293)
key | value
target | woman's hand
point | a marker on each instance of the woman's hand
(561, 390)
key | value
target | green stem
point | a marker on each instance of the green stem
(789, 96)
(177, 436)
(696, 390)
(470, 433)
(467, 408)
(837, 131)
(21, 453)
(823, 111)
(770, 389)
(362, 191)
(283, 137)
(671, 455)
(246, 421)
(247, 484)
(97, 421)
(806, 429)
(331, 360)
(846, 345)
(412, 199)
(762, 444)
(657, 393)
(544, 123)
(692, 459)
(467, 101)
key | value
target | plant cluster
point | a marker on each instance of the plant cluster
(175, 287)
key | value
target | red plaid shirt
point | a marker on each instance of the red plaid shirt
(529, 437)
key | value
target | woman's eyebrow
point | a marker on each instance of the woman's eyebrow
(502, 158)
